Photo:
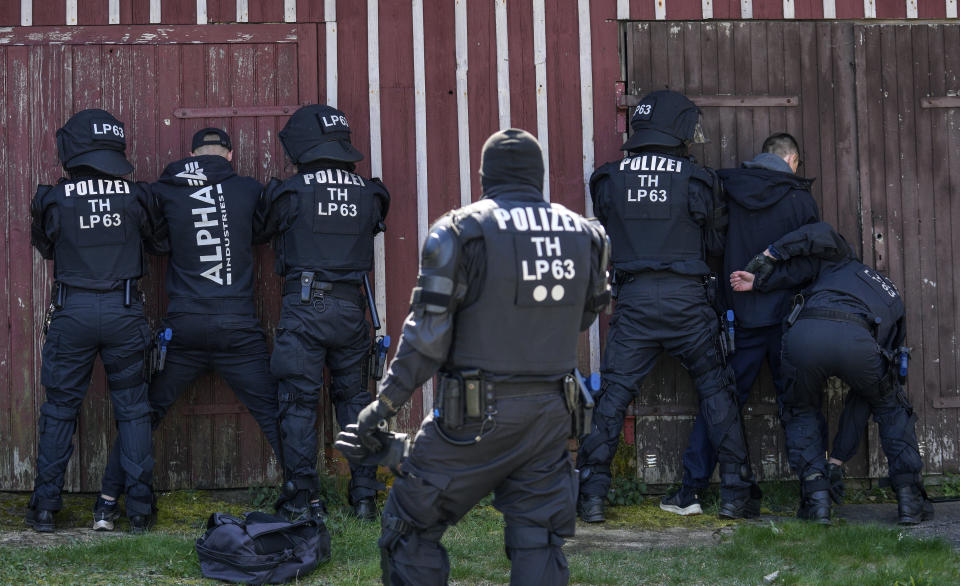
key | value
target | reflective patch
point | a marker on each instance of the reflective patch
(547, 265)
(881, 284)
(337, 210)
(648, 196)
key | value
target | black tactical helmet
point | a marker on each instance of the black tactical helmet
(94, 138)
(664, 118)
(318, 132)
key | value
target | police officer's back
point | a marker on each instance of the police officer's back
(213, 217)
(95, 226)
(664, 213)
(849, 323)
(505, 285)
(323, 220)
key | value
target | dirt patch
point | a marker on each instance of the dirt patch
(600, 537)
(68, 536)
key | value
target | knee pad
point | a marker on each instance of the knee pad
(142, 471)
(127, 408)
(529, 538)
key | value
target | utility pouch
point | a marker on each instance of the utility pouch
(451, 401)
(49, 317)
(306, 284)
(473, 394)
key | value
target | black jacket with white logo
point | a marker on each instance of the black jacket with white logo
(210, 212)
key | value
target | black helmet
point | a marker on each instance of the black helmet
(664, 118)
(94, 138)
(318, 132)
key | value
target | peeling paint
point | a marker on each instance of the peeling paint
(929, 282)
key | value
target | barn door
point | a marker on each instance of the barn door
(908, 102)
(164, 84)
(751, 79)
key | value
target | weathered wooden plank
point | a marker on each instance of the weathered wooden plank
(690, 61)
(684, 10)
(826, 117)
(148, 34)
(313, 11)
(891, 8)
(709, 85)
(726, 62)
(742, 80)
(523, 77)
(7, 418)
(775, 76)
(808, 9)
(270, 11)
(482, 91)
(759, 84)
(810, 121)
(443, 182)
(844, 133)
(642, 10)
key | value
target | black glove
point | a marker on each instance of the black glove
(397, 447)
(761, 266)
(373, 417)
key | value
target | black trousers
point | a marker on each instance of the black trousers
(815, 349)
(329, 332)
(92, 323)
(233, 346)
(657, 312)
(523, 461)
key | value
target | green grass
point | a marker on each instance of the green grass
(802, 553)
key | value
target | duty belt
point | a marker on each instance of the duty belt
(853, 318)
(127, 287)
(508, 390)
(346, 291)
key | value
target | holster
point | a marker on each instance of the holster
(580, 404)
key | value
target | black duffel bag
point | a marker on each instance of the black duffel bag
(261, 548)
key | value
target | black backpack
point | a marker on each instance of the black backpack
(261, 548)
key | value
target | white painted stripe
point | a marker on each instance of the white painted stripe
(330, 20)
(912, 9)
(951, 8)
(26, 12)
(789, 10)
(114, 12)
(586, 123)
(746, 8)
(420, 122)
(376, 154)
(289, 10)
(869, 9)
(540, 63)
(155, 13)
(503, 64)
(623, 9)
(463, 99)
(243, 10)
(201, 11)
(707, 8)
(660, 9)
(71, 12)
(829, 8)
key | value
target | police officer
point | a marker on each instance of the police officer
(766, 199)
(213, 218)
(663, 212)
(848, 322)
(505, 285)
(324, 220)
(95, 226)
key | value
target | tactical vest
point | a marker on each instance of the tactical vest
(336, 220)
(99, 241)
(527, 317)
(650, 223)
(876, 292)
(211, 244)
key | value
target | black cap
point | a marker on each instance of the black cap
(318, 132)
(664, 118)
(94, 138)
(511, 156)
(222, 139)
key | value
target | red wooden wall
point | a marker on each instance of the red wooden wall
(423, 82)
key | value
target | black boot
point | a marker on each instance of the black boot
(591, 509)
(365, 509)
(40, 519)
(744, 506)
(913, 506)
(815, 499)
(837, 487)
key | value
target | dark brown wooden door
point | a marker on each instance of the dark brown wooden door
(751, 79)
(163, 91)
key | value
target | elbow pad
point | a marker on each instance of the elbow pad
(439, 259)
